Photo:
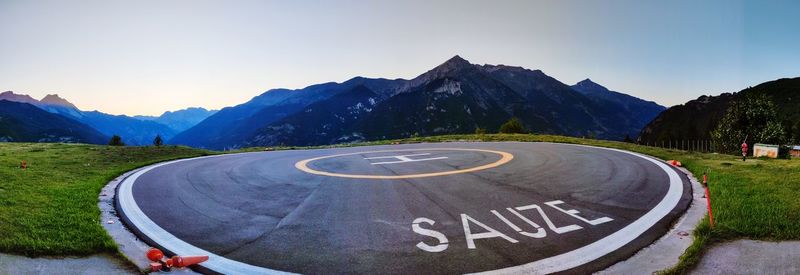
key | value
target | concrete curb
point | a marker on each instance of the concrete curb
(129, 244)
(665, 252)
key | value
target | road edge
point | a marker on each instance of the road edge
(131, 247)
(666, 251)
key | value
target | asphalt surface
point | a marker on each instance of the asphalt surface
(260, 209)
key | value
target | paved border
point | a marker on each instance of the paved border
(129, 244)
(504, 158)
(96, 264)
(751, 257)
(665, 252)
(148, 229)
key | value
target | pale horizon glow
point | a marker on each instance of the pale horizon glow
(148, 57)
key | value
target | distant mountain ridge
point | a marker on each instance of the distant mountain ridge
(25, 122)
(180, 120)
(696, 119)
(641, 111)
(51, 103)
(134, 131)
(454, 97)
(234, 126)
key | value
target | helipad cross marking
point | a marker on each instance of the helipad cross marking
(404, 158)
(504, 158)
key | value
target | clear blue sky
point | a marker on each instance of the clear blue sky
(146, 57)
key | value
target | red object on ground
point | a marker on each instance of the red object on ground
(184, 261)
(674, 163)
(155, 267)
(708, 199)
(24, 165)
(744, 151)
(154, 254)
(710, 215)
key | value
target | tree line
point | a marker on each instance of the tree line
(116, 140)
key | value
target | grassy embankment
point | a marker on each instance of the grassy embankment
(51, 209)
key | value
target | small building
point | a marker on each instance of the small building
(765, 150)
(795, 151)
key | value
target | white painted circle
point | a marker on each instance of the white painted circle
(504, 158)
(561, 262)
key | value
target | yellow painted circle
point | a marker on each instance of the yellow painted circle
(504, 158)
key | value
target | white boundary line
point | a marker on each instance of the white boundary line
(611, 242)
(552, 264)
(170, 242)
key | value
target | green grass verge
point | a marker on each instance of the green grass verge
(51, 209)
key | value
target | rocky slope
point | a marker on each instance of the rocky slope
(455, 97)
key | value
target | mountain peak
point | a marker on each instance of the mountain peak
(11, 96)
(457, 58)
(54, 99)
(455, 62)
(587, 86)
(448, 68)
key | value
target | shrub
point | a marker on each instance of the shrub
(512, 126)
(754, 118)
(116, 141)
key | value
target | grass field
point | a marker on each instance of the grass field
(51, 209)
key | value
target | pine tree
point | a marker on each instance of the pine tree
(158, 141)
(116, 141)
(628, 139)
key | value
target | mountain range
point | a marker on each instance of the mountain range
(180, 120)
(696, 119)
(134, 131)
(25, 122)
(454, 97)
